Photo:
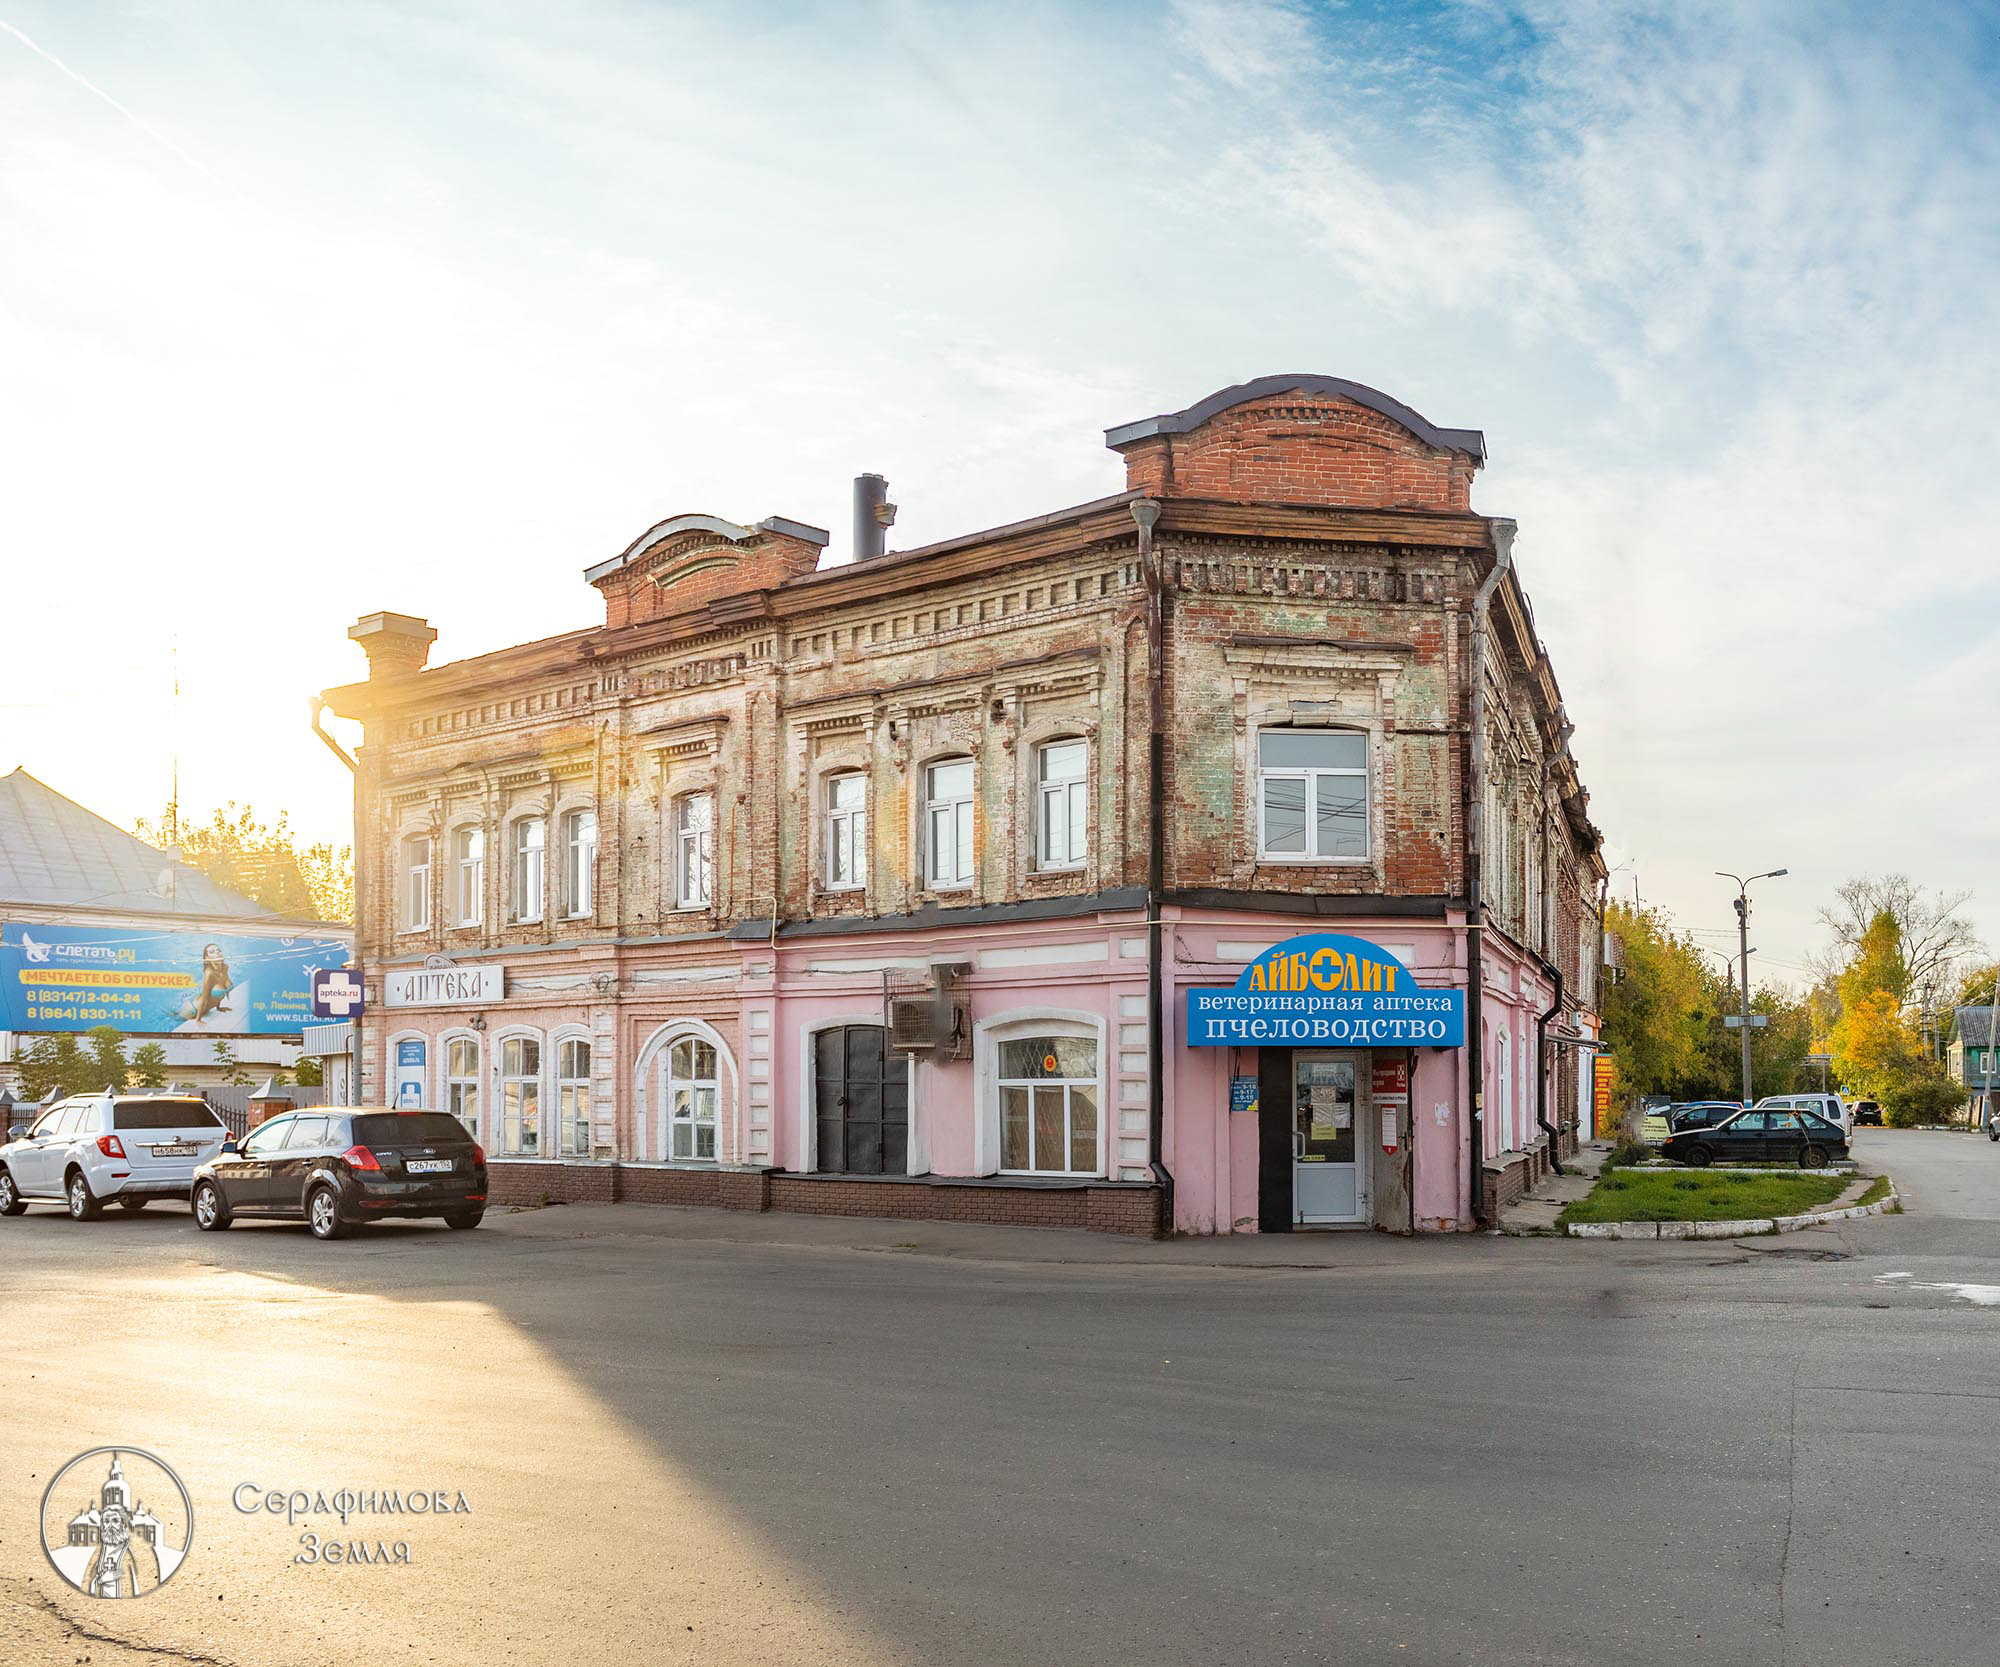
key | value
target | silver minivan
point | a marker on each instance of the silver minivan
(1830, 1106)
(88, 1150)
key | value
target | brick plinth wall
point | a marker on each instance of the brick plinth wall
(1098, 1209)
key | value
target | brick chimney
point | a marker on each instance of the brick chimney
(397, 645)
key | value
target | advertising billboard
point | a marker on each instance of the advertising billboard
(1326, 990)
(57, 977)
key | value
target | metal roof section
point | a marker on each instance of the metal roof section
(730, 531)
(54, 853)
(1181, 422)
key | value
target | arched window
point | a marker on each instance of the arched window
(579, 863)
(530, 836)
(461, 1081)
(521, 1096)
(948, 821)
(1048, 1105)
(694, 850)
(692, 1093)
(1503, 1076)
(468, 854)
(416, 882)
(1062, 800)
(573, 1097)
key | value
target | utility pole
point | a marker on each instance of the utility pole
(1992, 1048)
(1743, 940)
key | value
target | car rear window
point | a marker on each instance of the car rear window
(410, 1128)
(164, 1114)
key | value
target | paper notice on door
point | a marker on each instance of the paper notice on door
(1342, 1118)
(1329, 1115)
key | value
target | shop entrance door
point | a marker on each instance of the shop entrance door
(1329, 1169)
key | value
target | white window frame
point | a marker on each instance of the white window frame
(956, 812)
(579, 864)
(1065, 800)
(574, 1130)
(416, 882)
(515, 1126)
(850, 820)
(1069, 1085)
(528, 861)
(1311, 775)
(694, 853)
(461, 1085)
(1503, 1080)
(468, 870)
(672, 1078)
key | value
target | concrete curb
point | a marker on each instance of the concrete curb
(1727, 1229)
(1848, 1169)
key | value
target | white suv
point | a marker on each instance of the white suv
(88, 1150)
(1830, 1106)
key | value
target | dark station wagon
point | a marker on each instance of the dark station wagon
(1765, 1136)
(336, 1167)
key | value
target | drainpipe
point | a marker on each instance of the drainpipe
(360, 890)
(1542, 1069)
(1502, 531)
(1146, 512)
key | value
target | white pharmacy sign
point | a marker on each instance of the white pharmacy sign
(442, 987)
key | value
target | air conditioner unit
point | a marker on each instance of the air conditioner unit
(933, 1024)
(913, 1026)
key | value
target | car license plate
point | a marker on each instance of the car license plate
(428, 1166)
(175, 1149)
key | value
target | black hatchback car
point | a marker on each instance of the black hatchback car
(334, 1167)
(1770, 1136)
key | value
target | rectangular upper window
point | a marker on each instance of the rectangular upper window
(579, 863)
(1062, 802)
(948, 824)
(530, 835)
(416, 882)
(846, 832)
(694, 850)
(1312, 795)
(469, 862)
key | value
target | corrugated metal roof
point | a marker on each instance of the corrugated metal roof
(1974, 1025)
(54, 852)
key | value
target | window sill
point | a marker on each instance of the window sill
(1272, 859)
(1058, 870)
(854, 889)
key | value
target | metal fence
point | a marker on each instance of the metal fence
(232, 1105)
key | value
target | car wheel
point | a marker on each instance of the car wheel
(323, 1214)
(135, 1205)
(11, 1201)
(464, 1219)
(1811, 1156)
(211, 1215)
(1698, 1157)
(82, 1201)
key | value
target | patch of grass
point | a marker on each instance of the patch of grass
(1702, 1195)
(1878, 1189)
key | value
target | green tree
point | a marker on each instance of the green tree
(263, 861)
(149, 1066)
(57, 1062)
(310, 1074)
(232, 1070)
(1658, 1010)
(107, 1057)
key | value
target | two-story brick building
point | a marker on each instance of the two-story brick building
(890, 887)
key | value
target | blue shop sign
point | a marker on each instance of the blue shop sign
(1326, 990)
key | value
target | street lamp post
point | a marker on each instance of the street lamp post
(1743, 940)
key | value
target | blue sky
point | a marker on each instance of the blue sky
(309, 310)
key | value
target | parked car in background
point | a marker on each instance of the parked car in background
(1867, 1113)
(1701, 1114)
(90, 1150)
(1829, 1106)
(334, 1169)
(1759, 1135)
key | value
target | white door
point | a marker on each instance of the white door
(1329, 1168)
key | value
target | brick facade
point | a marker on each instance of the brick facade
(1319, 557)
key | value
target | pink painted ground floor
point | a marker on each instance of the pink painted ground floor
(758, 1074)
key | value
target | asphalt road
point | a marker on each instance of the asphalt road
(691, 1437)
